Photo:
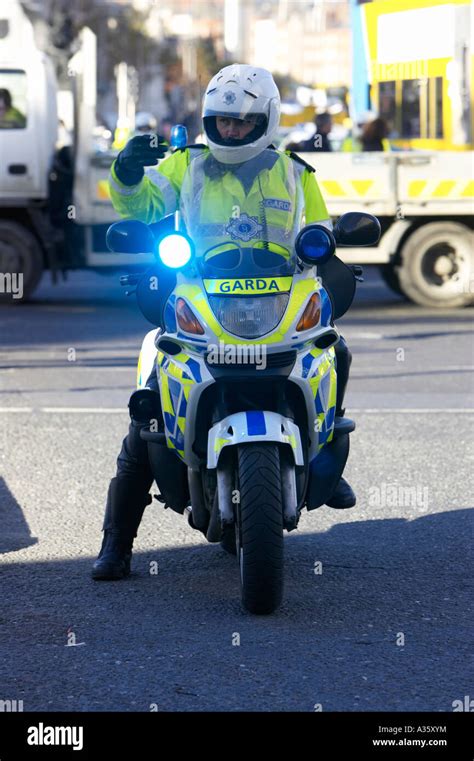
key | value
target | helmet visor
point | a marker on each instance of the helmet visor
(257, 121)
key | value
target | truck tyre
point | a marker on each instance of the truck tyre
(20, 254)
(391, 278)
(437, 265)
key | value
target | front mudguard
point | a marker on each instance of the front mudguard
(252, 426)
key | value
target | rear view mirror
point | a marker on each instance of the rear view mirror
(357, 229)
(130, 237)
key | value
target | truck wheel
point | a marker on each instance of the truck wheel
(21, 262)
(391, 278)
(437, 265)
(259, 527)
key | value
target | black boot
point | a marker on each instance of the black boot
(342, 497)
(126, 501)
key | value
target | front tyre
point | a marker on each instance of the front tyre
(259, 527)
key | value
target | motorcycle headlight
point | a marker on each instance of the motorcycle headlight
(249, 317)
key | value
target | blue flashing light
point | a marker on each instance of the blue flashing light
(174, 251)
(179, 136)
(315, 244)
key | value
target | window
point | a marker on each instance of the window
(438, 95)
(411, 108)
(387, 104)
(12, 99)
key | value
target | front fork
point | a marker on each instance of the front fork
(226, 489)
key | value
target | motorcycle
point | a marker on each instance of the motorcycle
(242, 435)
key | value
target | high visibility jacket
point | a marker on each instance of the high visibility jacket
(219, 201)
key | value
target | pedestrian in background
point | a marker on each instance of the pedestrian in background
(374, 136)
(319, 141)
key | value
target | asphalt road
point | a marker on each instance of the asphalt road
(377, 611)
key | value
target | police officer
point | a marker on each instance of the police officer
(241, 113)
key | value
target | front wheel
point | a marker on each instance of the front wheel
(259, 527)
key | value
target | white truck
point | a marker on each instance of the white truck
(425, 203)
(48, 222)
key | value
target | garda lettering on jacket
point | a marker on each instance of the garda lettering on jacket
(277, 203)
(249, 285)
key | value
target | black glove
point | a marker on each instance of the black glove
(140, 151)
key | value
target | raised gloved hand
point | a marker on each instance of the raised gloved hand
(140, 151)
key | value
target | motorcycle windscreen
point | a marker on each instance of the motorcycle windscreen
(230, 210)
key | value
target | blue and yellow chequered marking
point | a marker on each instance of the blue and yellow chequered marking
(170, 315)
(323, 381)
(326, 308)
(175, 386)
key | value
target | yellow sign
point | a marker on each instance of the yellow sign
(249, 286)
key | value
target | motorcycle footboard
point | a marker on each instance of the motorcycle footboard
(325, 471)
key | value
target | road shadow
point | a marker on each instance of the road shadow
(15, 533)
(376, 616)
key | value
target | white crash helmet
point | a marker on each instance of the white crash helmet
(241, 91)
(145, 120)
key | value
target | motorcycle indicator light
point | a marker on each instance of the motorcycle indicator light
(175, 251)
(187, 320)
(311, 315)
(315, 244)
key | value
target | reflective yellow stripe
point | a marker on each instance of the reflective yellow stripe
(123, 190)
(416, 188)
(444, 188)
(333, 187)
(362, 186)
(249, 285)
(357, 188)
(165, 187)
(468, 191)
(452, 189)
